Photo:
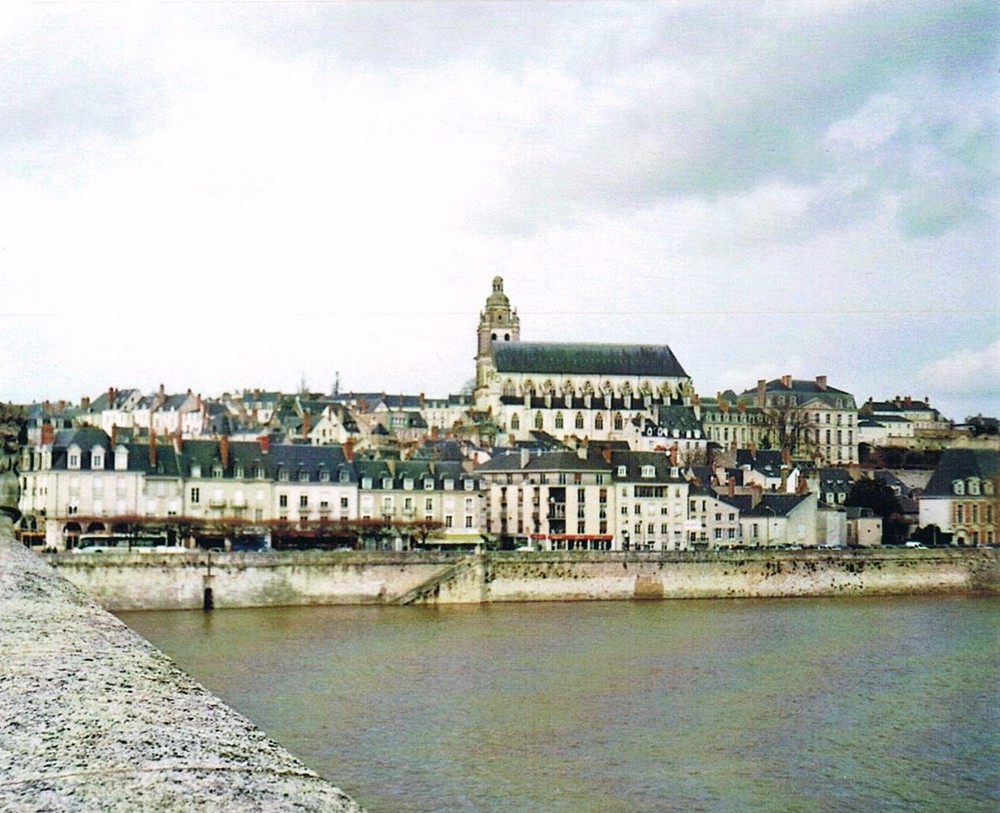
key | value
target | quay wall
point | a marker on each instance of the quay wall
(94, 718)
(181, 581)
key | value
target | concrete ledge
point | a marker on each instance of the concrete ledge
(93, 718)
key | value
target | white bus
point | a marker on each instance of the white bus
(143, 542)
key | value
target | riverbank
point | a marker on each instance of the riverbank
(233, 580)
(93, 718)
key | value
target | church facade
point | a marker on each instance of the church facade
(639, 394)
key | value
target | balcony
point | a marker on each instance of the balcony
(217, 502)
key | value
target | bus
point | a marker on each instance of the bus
(142, 542)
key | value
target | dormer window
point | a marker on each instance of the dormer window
(366, 482)
(649, 471)
(988, 488)
(449, 485)
(974, 486)
(958, 487)
(324, 475)
(196, 469)
(258, 471)
(429, 484)
(217, 470)
(238, 471)
(470, 485)
(303, 476)
(386, 483)
(344, 477)
(73, 457)
(97, 458)
(622, 471)
(283, 474)
(408, 484)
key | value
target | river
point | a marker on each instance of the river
(774, 705)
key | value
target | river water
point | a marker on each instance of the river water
(777, 705)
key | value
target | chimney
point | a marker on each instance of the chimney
(178, 443)
(525, 456)
(85, 402)
(673, 455)
(786, 456)
(111, 397)
(606, 454)
(306, 423)
(62, 405)
(731, 486)
(786, 381)
(265, 443)
(46, 406)
(581, 450)
(821, 382)
(114, 435)
(756, 494)
(224, 451)
(740, 406)
(761, 393)
(152, 449)
(48, 434)
(349, 450)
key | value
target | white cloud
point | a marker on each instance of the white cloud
(970, 371)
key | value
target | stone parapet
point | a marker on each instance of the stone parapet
(94, 718)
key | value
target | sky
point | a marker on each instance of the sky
(215, 196)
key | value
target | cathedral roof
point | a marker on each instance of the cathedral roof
(548, 358)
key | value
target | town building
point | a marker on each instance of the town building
(961, 497)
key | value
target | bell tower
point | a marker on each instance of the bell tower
(497, 323)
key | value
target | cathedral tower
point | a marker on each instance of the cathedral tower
(497, 323)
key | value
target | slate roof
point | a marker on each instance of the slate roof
(961, 464)
(546, 358)
(806, 390)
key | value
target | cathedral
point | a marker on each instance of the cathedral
(638, 394)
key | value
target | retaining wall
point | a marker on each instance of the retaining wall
(180, 581)
(93, 718)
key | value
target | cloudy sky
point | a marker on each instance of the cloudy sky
(220, 196)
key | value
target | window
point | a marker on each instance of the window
(538, 420)
(217, 470)
(958, 486)
(449, 485)
(959, 514)
(408, 484)
(581, 527)
(599, 421)
(515, 423)
(283, 501)
(468, 521)
(429, 504)
(559, 420)
(97, 460)
(343, 502)
(578, 421)
(195, 496)
(303, 501)
(649, 471)
(366, 482)
(449, 520)
(619, 421)
(344, 477)
(324, 476)
(622, 471)
(470, 485)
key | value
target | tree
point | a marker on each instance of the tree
(787, 427)
(876, 495)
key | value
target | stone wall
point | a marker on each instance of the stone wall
(93, 718)
(180, 581)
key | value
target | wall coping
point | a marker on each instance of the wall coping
(94, 718)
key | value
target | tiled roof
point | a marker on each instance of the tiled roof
(544, 358)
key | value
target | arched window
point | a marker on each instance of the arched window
(538, 420)
(619, 422)
(559, 420)
(579, 420)
(515, 422)
(599, 420)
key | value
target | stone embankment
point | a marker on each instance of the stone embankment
(93, 718)
(197, 580)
